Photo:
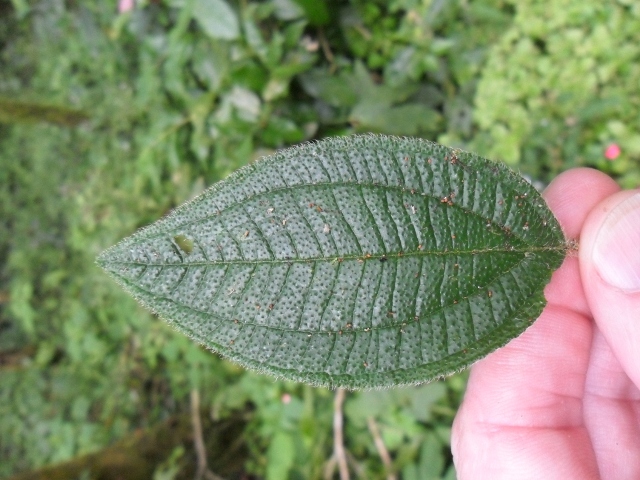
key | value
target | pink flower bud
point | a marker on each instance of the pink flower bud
(125, 6)
(612, 151)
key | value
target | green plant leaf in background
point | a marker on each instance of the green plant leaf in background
(358, 262)
(216, 18)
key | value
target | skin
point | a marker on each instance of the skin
(562, 401)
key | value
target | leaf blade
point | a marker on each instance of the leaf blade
(360, 262)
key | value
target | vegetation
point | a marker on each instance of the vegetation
(109, 119)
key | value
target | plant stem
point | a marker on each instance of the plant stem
(380, 446)
(338, 436)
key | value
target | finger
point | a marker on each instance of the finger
(521, 416)
(522, 410)
(612, 411)
(574, 193)
(610, 269)
(571, 196)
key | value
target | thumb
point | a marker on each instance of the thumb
(610, 271)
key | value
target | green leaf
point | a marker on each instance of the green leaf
(357, 262)
(316, 12)
(216, 18)
(281, 455)
(418, 401)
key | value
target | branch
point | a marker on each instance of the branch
(380, 446)
(198, 441)
(326, 48)
(338, 437)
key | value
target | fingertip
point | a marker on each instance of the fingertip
(571, 196)
(574, 193)
(610, 271)
(612, 236)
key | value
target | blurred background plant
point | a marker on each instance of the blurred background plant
(112, 114)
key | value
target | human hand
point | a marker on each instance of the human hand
(563, 399)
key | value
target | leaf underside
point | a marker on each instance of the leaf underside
(357, 262)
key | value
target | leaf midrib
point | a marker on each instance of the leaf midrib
(350, 257)
(391, 325)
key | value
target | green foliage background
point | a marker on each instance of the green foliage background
(108, 120)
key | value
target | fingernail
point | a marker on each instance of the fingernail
(616, 252)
